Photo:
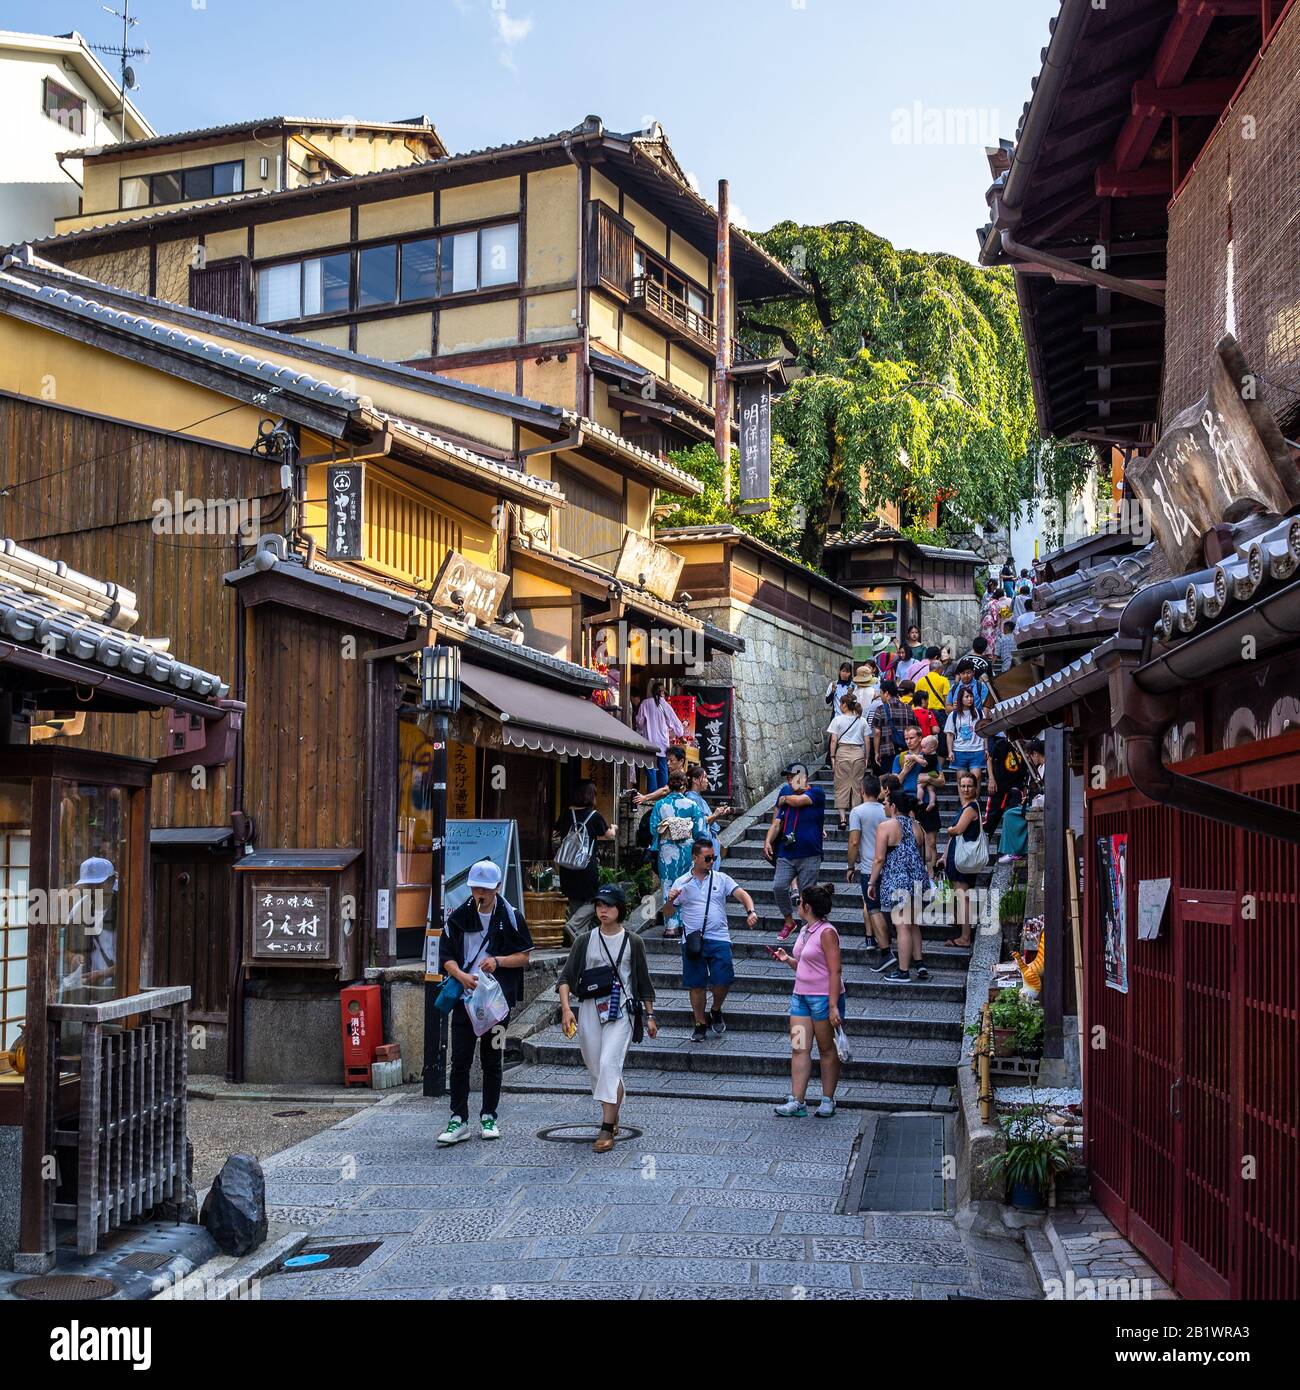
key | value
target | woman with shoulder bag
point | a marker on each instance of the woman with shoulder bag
(848, 740)
(967, 854)
(608, 971)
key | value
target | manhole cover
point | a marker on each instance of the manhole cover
(332, 1256)
(56, 1287)
(583, 1134)
(904, 1171)
(144, 1259)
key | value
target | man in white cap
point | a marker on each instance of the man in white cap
(484, 933)
(94, 917)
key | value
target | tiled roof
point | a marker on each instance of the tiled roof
(725, 531)
(682, 480)
(887, 535)
(177, 137)
(32, 621)
(1086, 616)
(1070, 683)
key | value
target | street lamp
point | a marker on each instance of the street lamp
(440, 697)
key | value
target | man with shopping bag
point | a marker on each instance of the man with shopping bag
(484, 938)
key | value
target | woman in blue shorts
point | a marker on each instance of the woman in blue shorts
(817, 1005)
(966, 749)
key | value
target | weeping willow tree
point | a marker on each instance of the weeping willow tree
(914, 390)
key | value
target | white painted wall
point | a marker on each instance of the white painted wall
(1081, 520)
(34, 190)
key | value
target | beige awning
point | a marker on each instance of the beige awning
(541, 720)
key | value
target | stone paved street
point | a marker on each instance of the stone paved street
(715, 1200)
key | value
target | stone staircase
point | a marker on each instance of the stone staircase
(905, 1039)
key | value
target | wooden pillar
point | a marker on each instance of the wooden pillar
(1056, 817)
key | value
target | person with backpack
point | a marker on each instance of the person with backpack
(484, 934)
(700, 900)
(817, 1005)
(794, 841)
(608, 971)
(676, 822)
(578, 829)
(887, 727)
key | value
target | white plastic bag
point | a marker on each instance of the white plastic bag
(486, 1004)
(842, 1045)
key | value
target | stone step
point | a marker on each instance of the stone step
(755, 1012)
(847, 919)
(947, 986)
(536, 1079)
(916, 1061)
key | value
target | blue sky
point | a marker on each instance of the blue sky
(816, 110)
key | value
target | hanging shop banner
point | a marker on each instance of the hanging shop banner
(1112, 880)
(756, 446)
(343, 495)
(713, 734)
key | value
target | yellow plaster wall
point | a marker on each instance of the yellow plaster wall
(602, 318)
(649, 229)
(397, 339)
(642, 344)
(331, 337)
(172, 280)
(395, 216)
(606, 414)
(689, 373)
(478, 326)
(552, 382)
(129, 270)
(549, 629)
(638, 507)
(365, 152)
(527, 585)
(219, 246)
(550, 316)
(101, 188)
(603, 190)
(47, 367)
(552, 226)
(301, 234)
(603, 477)
(497, 376)
(686, 258)
(469, 202)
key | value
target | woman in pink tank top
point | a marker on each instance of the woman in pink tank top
(817, 1005)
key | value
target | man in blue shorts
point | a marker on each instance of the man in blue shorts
(700, 899)
(864, 820)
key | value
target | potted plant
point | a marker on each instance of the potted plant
(1003, 1013)
(1028, 1027)
(1032, 1158)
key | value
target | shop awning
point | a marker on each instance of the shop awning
(540, 720)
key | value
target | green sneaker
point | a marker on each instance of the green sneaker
(457, 1132)
(489, 1127)
(791, 1110)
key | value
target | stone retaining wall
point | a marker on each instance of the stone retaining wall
(780, 682)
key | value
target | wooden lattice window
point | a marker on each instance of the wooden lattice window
(15, 857)
(406, 535)
(593, 521)
(610, 249)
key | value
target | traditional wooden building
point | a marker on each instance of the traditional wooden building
(1179, 712)
(125, 420)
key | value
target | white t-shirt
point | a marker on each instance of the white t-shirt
(966, 739)
(866, 818)
(473, 941)
(850, 729)
(695, 893)
(613, 944)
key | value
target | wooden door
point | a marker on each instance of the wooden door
(191, 928)
(1207, 940)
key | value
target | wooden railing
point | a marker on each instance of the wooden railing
(651, 296)
(130, 1134)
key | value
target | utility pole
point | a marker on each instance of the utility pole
(722, 312)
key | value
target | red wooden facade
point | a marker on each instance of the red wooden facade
(1191, 1086)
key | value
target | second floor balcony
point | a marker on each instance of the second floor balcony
(682, 321)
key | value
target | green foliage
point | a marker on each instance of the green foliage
(1033, 1155)
(916, 389)
(924, 535)
(642, 879)
(1021, 1015)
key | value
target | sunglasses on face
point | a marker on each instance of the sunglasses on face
(707, 858)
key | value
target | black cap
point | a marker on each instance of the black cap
(611, 893)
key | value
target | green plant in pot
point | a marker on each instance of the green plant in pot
(1032, 1158)
(1028, 1026)
(1003, 1013)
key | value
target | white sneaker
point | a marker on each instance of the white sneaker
(826, 1109)
(457, 1132)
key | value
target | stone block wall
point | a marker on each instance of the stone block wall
(780, 682)
(950, 618)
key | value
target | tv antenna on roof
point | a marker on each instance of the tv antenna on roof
(123, 52)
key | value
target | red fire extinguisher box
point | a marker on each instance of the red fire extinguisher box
(363, 1031)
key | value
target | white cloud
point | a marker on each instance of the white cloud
(509, 33)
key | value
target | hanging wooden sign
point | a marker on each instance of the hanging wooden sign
(1219, 460)
(344, 488)
(463, 584)
(652, 566)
